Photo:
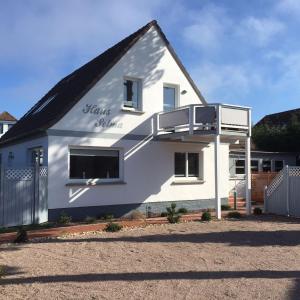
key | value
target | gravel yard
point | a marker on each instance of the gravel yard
(255, 258)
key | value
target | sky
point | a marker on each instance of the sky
(237, 51)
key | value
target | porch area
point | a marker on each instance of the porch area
(213, 123)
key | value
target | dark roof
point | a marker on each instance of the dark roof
(67, 92)
(5, 116)
(280, 119)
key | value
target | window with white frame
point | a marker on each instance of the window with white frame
(239, 166)
(187, 164)
(36, 156)
(94, 164)
(169, 97)
(132, 93)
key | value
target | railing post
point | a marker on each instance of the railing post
(217, 177)
(248, 175)
(287, 183)
(191, 119)
(265, 199)
(156, 129)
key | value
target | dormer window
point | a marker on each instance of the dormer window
(132, 93)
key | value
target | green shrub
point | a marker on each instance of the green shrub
(113, 227)
(182, 210)
(2, 271)
(164, 214)
(64, 218)
(90, 220)
(21, 236)
(206, 216)
(234, 215)
(173, 216)
(225, 207)
(257, 211)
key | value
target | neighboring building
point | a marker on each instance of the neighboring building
(6, 122)
(262, 161)
(129, 130)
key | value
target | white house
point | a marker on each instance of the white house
(130, 130)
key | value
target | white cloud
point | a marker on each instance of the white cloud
(288, 7)
(227, 82)
(207, 28)
(261, 31)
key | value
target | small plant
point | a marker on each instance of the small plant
(113, 227)
(164, 214)
(206, 216)
(173, 216)
(90, 220)
(257, 211)
(182, 210)
(21, 236)
(64, 218)
(234, 215)
(225, 207)
(2, 271)
(136, 215)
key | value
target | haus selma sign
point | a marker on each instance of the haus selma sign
(104, 120)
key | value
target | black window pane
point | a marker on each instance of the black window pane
(240, 166)
(266, 166)
(87, 167)
(169, 98)
(179, 164)
(193, 161)
(254, 165)
(278, 165)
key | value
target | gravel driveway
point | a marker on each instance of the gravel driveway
(255, 258)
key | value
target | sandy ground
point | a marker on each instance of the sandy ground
(256, 258)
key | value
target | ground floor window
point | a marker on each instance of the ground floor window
(94, 164)
(186, 164)
(278, 165)
(36, 156)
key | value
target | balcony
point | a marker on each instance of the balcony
(205, 121)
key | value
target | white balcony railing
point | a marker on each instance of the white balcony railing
(213, 118)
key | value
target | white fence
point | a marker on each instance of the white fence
(282, 196)
(23, 196)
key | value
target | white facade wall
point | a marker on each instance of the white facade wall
(148, 174)
(21, 152)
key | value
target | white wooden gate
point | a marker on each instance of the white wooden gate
(23, 196)
(282, 196)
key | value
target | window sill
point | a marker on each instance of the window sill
(187, 182)
(132, 110)
(97, 183)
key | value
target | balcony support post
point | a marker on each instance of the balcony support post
(217, 177)
(248, 166)
(217, 164)
(248, 175)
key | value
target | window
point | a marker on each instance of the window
(266, 166)
(132, 93)
(278, 165)
(186, 164)
(36, 156)
(254, 166)
(240, 166)
(92, 164)
(1, 128)
(9, 126)
(169, 98)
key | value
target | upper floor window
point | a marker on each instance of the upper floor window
(1, 129)
(169, 98)
(132, 93)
